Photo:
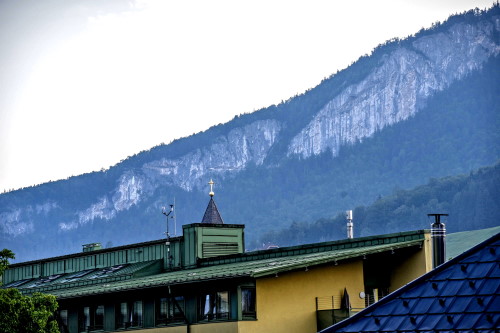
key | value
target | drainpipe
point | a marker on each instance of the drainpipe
(438, 238)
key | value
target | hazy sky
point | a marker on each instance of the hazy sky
(86, 83)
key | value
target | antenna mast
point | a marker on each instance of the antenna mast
(175, 221)
(167, 243)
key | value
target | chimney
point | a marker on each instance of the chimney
(91, 247)
(438, 234)
(350, 225)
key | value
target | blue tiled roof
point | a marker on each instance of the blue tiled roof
(462, 295)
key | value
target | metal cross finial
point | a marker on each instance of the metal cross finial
(211, 183)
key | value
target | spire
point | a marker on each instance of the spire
(212, 214)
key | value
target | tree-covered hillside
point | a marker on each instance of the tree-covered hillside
(471, 201)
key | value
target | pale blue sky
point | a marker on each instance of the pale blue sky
(83, 86)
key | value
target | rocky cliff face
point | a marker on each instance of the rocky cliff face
(225, 155)
(398, 88)
(394, 90)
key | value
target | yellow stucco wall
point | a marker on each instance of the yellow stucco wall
(176, 329)
(227, 327)
(414, 266)
(230, 327)
(287, 303)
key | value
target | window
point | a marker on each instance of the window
(129, 314)
(91, 318)
(76, 276)
(122, 316)
(44, 280)
(107, 271)
(136, 315)
(170, 310)
(63, 321)
(85, 319)
(214, 306)
(99, 317)
(248, 302)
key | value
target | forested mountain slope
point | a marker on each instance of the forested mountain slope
(471, 201)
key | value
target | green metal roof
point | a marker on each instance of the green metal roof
(318, 247)
(89, 277)
(459, 242)
(251, 269)
(106, 250)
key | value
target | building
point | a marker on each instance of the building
(461, 295)
(205, 281)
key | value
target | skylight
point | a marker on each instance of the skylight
(77, 275)
(107, 271)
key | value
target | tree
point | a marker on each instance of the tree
(5, 255)
(27, 314)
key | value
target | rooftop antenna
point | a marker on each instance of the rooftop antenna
(350, 225)
(167, 243)
(167, 214)
(175, 221)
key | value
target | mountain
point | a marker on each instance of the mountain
(419, 108)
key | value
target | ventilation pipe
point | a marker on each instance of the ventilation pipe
(438, 238)
(350, 225)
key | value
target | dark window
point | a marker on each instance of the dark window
(85, 319)
(44, 280)
(91, 318)
(136, 314)
(63, 321)
(76, 276)
(214, 306)
(170, 310)
(99, 317)
(16, 283)
(248, 302)
(107, 271)
(122, 316)
(129, 314)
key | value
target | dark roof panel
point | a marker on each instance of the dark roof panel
(395, 308)
(404, 323)
(488, 320)
(429, 323)
(422, 305)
